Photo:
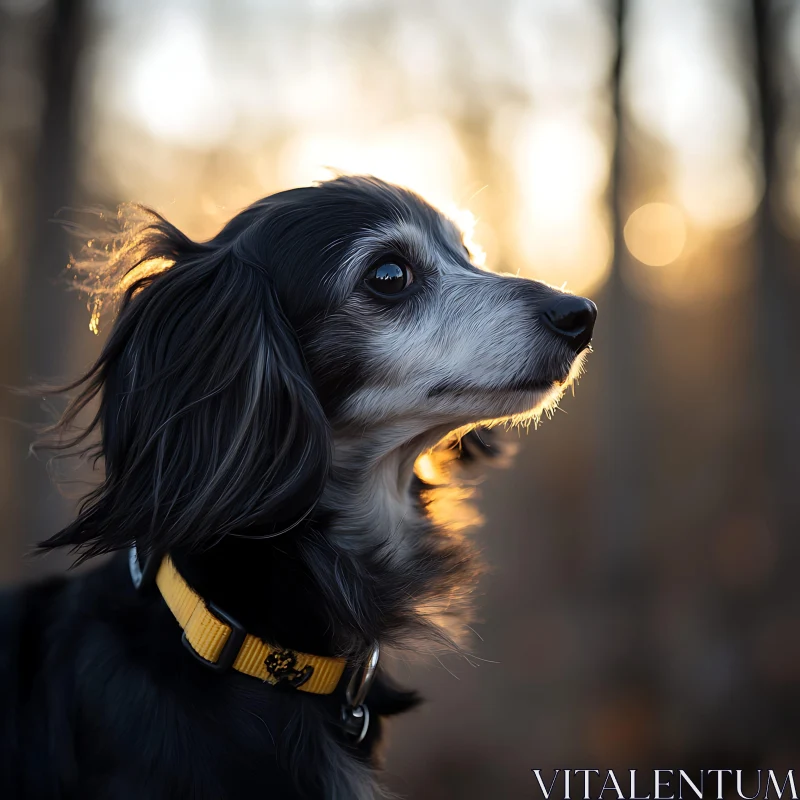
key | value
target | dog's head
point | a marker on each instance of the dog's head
(411, 334)
(319, 314)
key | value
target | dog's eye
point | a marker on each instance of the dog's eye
(389, 278)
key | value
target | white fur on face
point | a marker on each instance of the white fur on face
(467, 349)
(463, 355)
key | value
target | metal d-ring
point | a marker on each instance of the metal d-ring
(361, 680)
(355, 714)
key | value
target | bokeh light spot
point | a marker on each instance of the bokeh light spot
(656, 234)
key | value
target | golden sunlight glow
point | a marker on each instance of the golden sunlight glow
(572, 253)
(422, 153)
(426, 469)
(231, 118)
(174, 88)
(466, 222)
(719, 195)
(447, 505)
(450, 509)
(150, 267)
(95, 308)
(561, 228)
(712, 172)
(656, 234)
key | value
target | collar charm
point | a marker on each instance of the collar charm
(281, 666)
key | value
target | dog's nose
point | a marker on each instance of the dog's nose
(572, 318)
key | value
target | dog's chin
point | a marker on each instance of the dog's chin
(519, 402)
(526, 399)
(515, 403)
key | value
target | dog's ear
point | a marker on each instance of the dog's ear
(208, 419)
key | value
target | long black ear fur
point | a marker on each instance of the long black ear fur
(208, 419)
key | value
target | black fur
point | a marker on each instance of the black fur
(218, 396)
(100, 700)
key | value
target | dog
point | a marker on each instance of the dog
(263, 401)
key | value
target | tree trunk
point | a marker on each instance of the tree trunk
(46, 306)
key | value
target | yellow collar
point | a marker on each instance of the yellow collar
(220, 642)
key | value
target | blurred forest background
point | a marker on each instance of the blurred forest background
(644, 605)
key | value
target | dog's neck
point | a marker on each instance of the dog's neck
(369, 493)
(366, 565)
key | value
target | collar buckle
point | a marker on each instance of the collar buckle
(231, 647)
(143, 576)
